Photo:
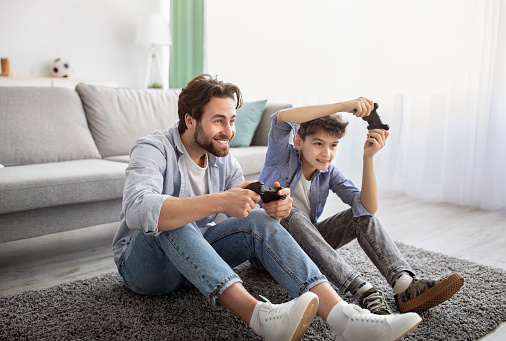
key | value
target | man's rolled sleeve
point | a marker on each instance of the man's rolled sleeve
(144, 214)
(142, 196)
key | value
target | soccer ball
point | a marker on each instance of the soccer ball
(61, 68)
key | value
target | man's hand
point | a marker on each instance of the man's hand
(376, 140)
(359, 107)
(279, 209)
(239, 201)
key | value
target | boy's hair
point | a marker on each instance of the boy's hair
(331, 124)
(198, 92)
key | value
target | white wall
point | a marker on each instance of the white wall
(97, 36)
(305, 52)
(432, 66)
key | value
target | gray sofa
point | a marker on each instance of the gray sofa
(65, 151)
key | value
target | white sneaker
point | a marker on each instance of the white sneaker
(288, 321)
(362, 325)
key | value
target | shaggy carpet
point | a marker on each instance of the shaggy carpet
(101, 308)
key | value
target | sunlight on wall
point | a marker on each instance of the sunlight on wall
(305, 52)
(430, 65)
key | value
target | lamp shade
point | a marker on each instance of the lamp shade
(153, 29)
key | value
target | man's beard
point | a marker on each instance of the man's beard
(204, 141)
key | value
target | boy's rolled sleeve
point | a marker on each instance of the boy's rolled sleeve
(347, 192)
(357, 208)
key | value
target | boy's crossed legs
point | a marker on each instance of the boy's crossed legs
(321, 241)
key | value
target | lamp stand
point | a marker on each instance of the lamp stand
(153, 55)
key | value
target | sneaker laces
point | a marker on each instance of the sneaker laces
(354, 312)
(275, 311)
(376, 303)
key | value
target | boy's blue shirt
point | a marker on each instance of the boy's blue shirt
(283, 164)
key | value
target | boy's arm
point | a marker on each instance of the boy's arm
(359, 107)
(369, 192)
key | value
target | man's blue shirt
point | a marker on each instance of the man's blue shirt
(283, 164)
(157, 171)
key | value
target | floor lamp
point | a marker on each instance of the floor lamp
(153, 31)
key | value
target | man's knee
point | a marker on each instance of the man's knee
(264, 225)
(261, 220)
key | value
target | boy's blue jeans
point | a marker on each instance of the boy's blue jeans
(182, 258)
(322, 241)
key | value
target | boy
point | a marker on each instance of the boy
(306, 168)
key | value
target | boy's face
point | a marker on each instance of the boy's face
(317, 151)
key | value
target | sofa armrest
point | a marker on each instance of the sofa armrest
(261, 137)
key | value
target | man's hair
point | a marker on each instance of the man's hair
(331, 124)
(198, 92)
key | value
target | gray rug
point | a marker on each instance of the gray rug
(100, 308)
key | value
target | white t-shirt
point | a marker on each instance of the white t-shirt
(198, 178)
(301, 195)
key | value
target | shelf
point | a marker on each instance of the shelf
(54, 81)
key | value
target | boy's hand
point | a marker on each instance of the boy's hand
(279, 209)
(239, 201)
(376, 140)
(359, 107)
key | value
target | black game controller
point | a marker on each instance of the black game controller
(267, 194)
(374, 120)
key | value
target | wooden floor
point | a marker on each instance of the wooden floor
(468, 233)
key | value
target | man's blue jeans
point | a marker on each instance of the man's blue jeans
(182, 258)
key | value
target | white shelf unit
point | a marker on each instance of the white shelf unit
(54, 81)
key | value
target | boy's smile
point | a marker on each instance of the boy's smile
(317, 152)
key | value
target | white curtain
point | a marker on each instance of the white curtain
(437, 70)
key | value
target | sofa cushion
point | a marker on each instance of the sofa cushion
(119, 158)
(118, 117)
(261, 137)
(252, 159)
(60, 183)
(43, 124)
(248, 118)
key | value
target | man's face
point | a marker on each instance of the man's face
(317, 151)
(217, 126)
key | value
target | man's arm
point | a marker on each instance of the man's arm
(236, 202)
(300, 115)
(369, 193)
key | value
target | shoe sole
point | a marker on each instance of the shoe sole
(404, 328)
(303, 318)
(435, 295)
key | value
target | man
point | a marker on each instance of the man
(177, 182)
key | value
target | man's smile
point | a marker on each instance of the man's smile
(222, 141)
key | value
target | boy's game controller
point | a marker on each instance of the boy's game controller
(267, 194)
(374, 120)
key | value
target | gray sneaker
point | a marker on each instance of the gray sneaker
(374, 301)
(424, 294)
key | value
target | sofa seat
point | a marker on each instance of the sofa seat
(65, 152)
(251, 158)
(60, 183)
